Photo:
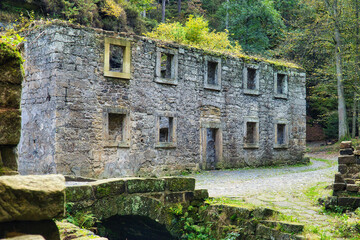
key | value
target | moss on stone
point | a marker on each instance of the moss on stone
(10, 95)
(78, 193)
(10, 126)
(176, 184)
(145, 185)
(108, 188)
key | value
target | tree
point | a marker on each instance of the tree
(256, 24)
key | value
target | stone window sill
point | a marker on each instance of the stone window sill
(254, 92)
(114, 144)
(281, 96)
(165, 145)
(251, 145)
(281, 146)
(212, 87)
(169, 81)
(121, 75)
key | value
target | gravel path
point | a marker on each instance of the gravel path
(255, 182)
(279, 188)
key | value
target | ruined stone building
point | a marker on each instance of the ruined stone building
(105, 104)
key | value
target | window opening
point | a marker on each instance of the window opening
(251, 132)
(212, 73)
(165, 129)
(251, 78)
(281, 83)
(281, 134)
(116, 127)
(166, 65)
(116, 58)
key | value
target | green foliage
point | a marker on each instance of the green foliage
(256, 24)
(85, 220)
(195, 33)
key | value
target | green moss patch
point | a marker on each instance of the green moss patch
(10, 126)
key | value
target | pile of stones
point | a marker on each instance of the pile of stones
(347, 181)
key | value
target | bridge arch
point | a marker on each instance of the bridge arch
(146, 197)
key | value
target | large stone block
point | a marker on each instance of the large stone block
(10, 126)
(31, 198)
(10, 95)
(347, 159)
(176, 184)
(347, 151)
(352, 188)
(339, 186)
(79, 193)
(343, 169)
(345, 144)
(339, 178)
(352, 202)
(108, 187)
(142, 185)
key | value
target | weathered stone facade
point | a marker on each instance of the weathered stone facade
(171, 108)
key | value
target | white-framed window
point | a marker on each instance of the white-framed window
(117, 58)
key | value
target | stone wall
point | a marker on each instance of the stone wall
(346, 187)
(67, 102)
(10, 95)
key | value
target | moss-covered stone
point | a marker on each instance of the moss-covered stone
(174, 197)
(284, 226)
(79, 193)
(145, 185)
(10, 125)
(10, 95)
(10, 72)
(110, 187)
(8, 159)
(176, 184)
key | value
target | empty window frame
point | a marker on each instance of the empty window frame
(281, 134)
(251, 80)
(166, 66)
(166, 131)
(212, 73)
(117, 58)
(251, 134)
(116, 127)
(281, 85)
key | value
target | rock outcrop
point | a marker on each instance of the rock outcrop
(29, 203)
(10, 115)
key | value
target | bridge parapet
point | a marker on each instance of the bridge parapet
(150, 197)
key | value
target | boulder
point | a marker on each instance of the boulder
(31, 198)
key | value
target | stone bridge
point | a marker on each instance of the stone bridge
(148, 197)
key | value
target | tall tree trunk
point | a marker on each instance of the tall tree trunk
(353, 132)
(343, 126)
(163, 11)
(179, 7)
(227, 15)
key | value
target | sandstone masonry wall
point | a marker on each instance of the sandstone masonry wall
(67, 100)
